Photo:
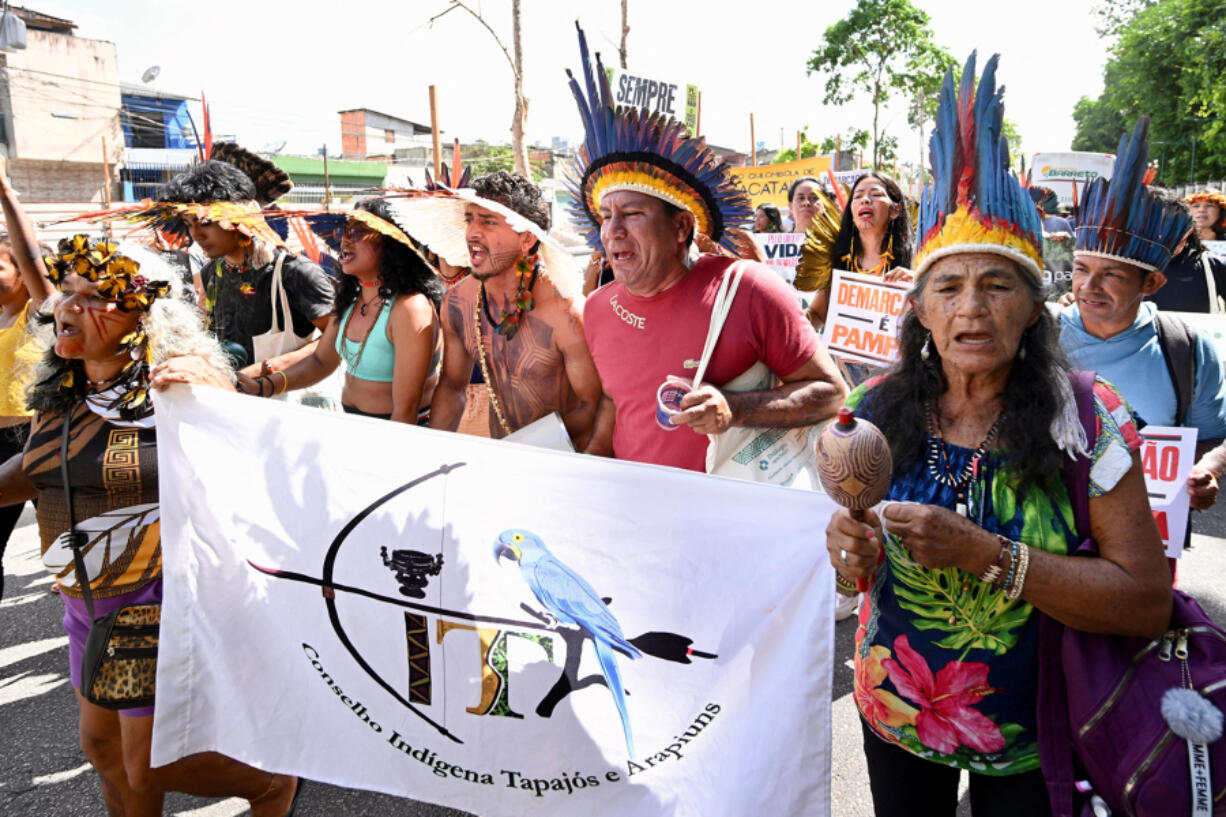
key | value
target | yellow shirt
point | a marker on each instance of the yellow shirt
(19, 354)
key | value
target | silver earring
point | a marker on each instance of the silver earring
(926, 351)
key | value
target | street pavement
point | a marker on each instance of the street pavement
(44, 774)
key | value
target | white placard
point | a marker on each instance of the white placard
(782, 251)
(1167, 457)
(1218, 248)
(863, 319)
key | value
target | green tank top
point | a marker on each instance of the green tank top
(372, 359)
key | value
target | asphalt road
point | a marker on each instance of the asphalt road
(44, 774)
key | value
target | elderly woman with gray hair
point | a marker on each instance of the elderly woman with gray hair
(977, 532)
(91, 461)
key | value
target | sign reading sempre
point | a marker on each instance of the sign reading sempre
(1167, 457)
(862, 321)
(768, 184)
(676, 99)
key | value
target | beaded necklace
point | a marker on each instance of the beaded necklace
(938, 458)
(352, 365)
(485, 372)
(522, 304)
(852, 259)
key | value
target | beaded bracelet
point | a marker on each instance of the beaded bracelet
(996, 570)
(844, 584)
(1015, 587)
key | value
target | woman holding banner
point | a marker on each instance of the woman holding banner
(980, 414)
(874, 238)
(120, 330)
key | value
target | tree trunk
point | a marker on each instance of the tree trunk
(621, 52)
(519, 150)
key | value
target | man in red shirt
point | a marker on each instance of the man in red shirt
(651, 323)
(644, 190)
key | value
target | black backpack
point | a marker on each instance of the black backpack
(1178, 342)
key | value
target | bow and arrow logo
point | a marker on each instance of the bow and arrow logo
(572, 611)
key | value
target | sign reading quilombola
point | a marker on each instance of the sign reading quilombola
(1060, 171)
(768, 184)
(497, 628)
(676, 99)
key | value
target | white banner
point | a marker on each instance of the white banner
(1167, 457)
(486, 625)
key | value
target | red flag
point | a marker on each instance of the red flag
(208, 129)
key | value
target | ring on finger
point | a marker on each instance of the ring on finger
(843, 556)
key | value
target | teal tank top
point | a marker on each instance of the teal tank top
(372, 359)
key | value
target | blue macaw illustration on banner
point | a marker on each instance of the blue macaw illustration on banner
(571, 600)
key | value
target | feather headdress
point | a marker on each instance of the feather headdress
(271, 182)
(1213, 197)
(974, 204)
(647, 152)
(816, 263)
(436, 219)
(167, 218)
(1123, 219)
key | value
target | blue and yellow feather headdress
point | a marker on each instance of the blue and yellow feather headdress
(974, 203)
(1125, 220)
(648, 152)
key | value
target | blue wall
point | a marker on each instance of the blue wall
(176, 129)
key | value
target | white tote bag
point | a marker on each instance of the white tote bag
(778, 456)
(280, 338)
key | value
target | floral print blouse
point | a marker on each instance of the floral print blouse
(945, 666)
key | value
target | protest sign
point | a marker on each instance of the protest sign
(850, 177)
(489, 626)
(676, 99)
(1060, 171)
(1167, 457)
(768, 184)
(782, 251)
(862, 321)
(1210, 327)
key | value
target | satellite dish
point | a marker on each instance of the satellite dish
(151, 73)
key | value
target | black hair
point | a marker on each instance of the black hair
(209, 182)
(773, 216)
(901, 402)
(899, 228)
(402, 270)
(516, 193)
(792, 187)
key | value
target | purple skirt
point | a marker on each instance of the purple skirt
(77, 624)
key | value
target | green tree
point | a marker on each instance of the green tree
(807, 149)
(876, 49)
(928, 72)
(1168, 63)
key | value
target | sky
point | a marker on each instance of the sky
(277, 72)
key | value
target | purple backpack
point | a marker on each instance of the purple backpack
(1106, 709)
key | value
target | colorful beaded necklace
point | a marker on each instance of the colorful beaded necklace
(523, 303)
(938, 458)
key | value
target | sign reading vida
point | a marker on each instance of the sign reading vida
(863, 317)
(400, 615)
(782, 251)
